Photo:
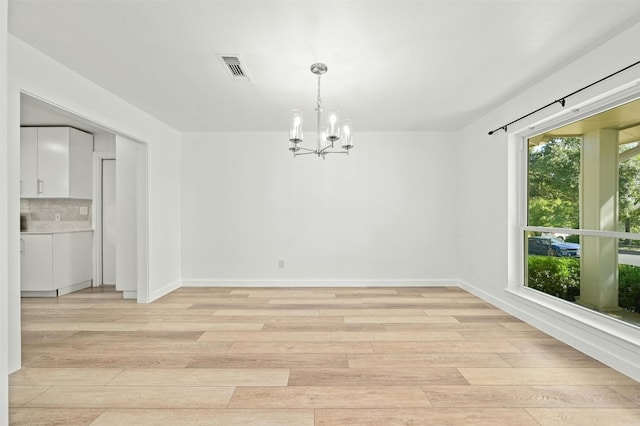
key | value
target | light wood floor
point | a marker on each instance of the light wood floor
(322, 356)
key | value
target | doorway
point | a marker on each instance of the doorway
(130, 208)
(105, 218)
(108, 225)
(35, 110)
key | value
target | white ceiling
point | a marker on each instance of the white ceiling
(393, 64)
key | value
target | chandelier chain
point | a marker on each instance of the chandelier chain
(319, 102)
(318, 119)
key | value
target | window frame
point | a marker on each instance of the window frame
(516, 285)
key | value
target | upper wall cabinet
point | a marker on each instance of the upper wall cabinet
(55, 162)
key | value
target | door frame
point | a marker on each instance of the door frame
(98, 156)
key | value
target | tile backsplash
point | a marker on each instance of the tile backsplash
(42, 214)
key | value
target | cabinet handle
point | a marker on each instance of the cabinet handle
(40, 186)
(21, 246)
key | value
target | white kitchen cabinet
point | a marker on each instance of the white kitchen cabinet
(57, 263)
(56, 162)
(36, 262)
(28, 162)
(72, 258)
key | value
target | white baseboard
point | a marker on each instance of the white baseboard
(52, 293)
(168, 288)
(610, 341)
(320, 283)
(74, 287)
(58, 292)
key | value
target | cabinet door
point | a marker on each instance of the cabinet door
(28, 162)
(36, 263)
(80, 164)
(72, 258)
(53, 162)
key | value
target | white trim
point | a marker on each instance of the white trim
(74, 287)
(163, 291)
(610, 341)
(5, 294)
(446, 282)
(46, 293)
(587, 232)
(107, 128)
(572, 113)
(142, 208)
(518, 194)
(98, 156)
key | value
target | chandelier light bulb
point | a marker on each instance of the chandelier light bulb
(295, 127)
(333, 124)
(347, 136)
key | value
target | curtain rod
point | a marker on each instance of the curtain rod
(562, 100)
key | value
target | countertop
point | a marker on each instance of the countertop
(54, 232)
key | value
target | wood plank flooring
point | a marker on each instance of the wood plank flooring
(303, 356)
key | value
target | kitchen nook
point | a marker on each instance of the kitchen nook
(56, 233)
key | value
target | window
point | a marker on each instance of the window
(581, 235)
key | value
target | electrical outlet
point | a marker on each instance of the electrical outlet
(57, 217)
(281, 264)
(84, 210)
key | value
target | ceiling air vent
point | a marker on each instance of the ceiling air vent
(235, 67)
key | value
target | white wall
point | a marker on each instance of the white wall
(383, 215)
(41, 77)
(487, 208)
(4, 278)
(130, 156)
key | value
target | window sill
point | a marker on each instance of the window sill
(582, 317)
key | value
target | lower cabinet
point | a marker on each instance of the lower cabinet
(60, 262)
(36, 262)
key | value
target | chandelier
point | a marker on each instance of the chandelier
(331, 132)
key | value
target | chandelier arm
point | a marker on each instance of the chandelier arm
(306, 149)
(303, 153)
